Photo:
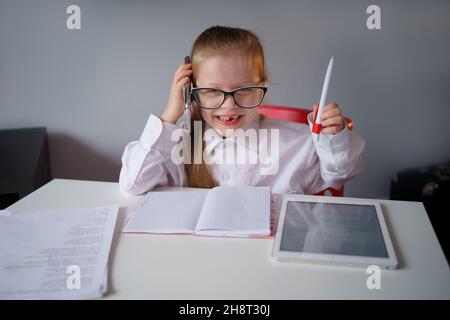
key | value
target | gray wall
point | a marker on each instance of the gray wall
(94, 88)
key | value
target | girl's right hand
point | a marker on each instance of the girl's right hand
(175, 105)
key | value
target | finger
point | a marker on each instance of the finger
(333, 121)
(183, 74)
(333, 112)
(183, 69)
(184, 66)
(331, 129)
(330, 106)
(182, 83)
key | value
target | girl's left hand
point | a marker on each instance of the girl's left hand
(331, 119)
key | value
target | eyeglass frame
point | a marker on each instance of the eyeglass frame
(228, 93)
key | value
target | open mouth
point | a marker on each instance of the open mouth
(229, 120)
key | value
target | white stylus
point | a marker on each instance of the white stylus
(317, 123)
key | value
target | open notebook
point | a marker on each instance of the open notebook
(220, 211)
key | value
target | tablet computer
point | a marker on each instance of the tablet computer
(329, 230)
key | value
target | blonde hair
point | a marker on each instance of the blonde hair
(220, 41)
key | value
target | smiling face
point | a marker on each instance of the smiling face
(227, 73)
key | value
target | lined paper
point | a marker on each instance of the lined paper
(236, 211)
(168, 212)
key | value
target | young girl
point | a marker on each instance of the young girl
(229, 77)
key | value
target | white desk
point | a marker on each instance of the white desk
(190, 267)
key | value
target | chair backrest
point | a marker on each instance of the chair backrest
(298, 115)
(291, 114)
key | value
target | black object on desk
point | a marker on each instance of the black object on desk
(430, 185)
(24, 163)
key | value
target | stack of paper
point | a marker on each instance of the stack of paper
(56, 254)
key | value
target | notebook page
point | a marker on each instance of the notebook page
(236, 211)
(168, 212)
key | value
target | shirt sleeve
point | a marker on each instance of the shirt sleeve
(340, 156)
(148, 162)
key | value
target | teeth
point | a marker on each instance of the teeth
(228, 118)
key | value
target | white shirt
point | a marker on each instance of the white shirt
(305, 166)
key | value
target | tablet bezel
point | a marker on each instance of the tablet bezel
(335, 259)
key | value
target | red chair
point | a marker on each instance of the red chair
(298, 115)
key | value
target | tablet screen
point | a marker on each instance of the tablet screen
(332, 228)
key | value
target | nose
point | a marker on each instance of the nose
(228, 103)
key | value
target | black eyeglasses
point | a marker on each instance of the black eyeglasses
(244, 97)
